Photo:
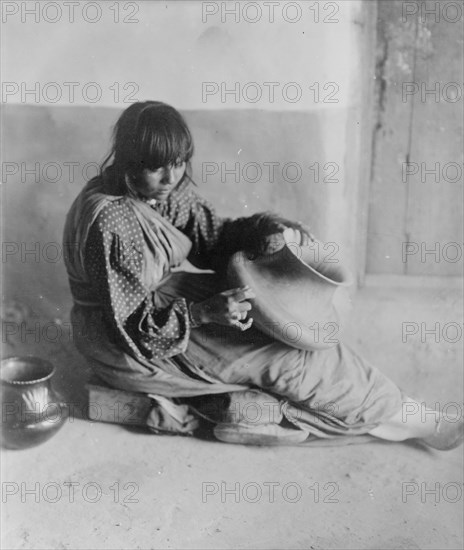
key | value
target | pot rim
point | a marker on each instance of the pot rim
(244, 264)
(343, 271)
(31, 359)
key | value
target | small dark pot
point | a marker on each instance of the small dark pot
(32, 411)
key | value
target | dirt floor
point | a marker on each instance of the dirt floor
(105, 486)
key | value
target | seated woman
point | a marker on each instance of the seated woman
(183, 335)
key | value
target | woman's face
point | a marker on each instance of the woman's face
(159, 183)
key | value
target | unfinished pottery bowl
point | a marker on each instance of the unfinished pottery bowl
(301, 299)
(32, 411)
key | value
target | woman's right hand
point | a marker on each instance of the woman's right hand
(228, 308)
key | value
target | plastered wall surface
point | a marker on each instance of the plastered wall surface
(300, 158)
(168, 49)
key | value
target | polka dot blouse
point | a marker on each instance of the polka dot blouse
(114, 261)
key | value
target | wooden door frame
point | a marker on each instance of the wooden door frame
(370, 90)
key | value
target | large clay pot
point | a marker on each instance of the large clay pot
(301, 300)
(32, 411)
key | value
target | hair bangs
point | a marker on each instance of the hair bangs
(150, 135)
(162, 142)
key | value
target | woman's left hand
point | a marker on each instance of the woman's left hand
(300, 236)
(268, 234)
(298, 230)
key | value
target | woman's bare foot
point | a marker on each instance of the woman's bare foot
(448, 435)
(417, 422)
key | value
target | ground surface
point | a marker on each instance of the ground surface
(175, 492)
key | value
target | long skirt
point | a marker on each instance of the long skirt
(328, 392)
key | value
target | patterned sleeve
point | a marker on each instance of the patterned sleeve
(113, 261)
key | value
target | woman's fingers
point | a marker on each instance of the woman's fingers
(239, 315)
(243, 326)
(231, 307)
(305, 233)
(228, 307)
(240, 294)
(238, 310)
(304, 239)
(234, 291)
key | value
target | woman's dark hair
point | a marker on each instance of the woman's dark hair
(149, 135)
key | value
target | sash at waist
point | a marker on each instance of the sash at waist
(82, 296)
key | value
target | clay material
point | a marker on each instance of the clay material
(301, 299)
